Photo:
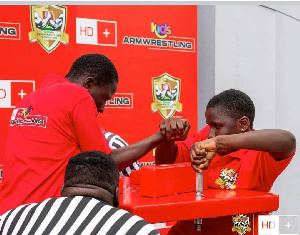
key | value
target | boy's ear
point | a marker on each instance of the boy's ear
(62, 189)
(116, 199)
(244, 123)
(88, 82)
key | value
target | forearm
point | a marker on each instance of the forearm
(271, 140)
(165, 153)
(127, 155)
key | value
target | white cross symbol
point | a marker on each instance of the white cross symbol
(288, 225)
(22, 94)
(106, 33)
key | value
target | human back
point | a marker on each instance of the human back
(37, 172)
(47, 127)
(88, 205)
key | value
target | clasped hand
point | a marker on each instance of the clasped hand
(174, 128)
(202, 153)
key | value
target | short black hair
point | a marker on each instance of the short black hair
(235, 104)
(94, 65)
(93, 168)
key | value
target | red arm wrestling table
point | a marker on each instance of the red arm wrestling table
(186, 205)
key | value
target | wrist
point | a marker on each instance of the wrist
(219, 143)
(159, 137)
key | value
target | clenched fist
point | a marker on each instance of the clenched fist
(202, 153)
(174, 128)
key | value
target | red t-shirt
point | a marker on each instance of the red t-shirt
(241, 169)
(47, 128)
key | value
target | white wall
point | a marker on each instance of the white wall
(257, 50)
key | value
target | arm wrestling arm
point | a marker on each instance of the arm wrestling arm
(127, 155)
(171, 129)
(279, 143)
(165, 153)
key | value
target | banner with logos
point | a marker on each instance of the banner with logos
(154, 49)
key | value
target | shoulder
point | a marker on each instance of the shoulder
(73, 94)
(63, 92)
(137, 225)
(55, 83)
(7, 216)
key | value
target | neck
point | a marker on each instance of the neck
(89, 191)
(78, 81)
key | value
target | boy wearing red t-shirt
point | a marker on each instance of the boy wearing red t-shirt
(57, 122)
(231, 154)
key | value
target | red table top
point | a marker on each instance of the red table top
(188, 206)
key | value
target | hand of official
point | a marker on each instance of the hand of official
(174, 128)
(202, 153)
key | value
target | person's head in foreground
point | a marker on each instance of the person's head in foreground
(90, 197)
(92, 174)
(98, 75)
(230, 112)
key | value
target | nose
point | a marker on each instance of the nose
(211, 133)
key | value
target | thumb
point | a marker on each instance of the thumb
(208, 145)
(204, 166)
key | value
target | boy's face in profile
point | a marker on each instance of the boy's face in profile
(220, 123)
(101, 94)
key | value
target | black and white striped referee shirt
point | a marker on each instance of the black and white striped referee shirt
(72, 215)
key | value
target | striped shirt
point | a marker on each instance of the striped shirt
(72, 215)
(114, 142)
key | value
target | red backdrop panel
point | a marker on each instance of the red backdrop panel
(143, 42)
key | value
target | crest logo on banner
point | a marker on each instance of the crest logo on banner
(48, 24)
(166, 95)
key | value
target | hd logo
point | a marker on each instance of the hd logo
(96, 32)
(278, 224)
(13, 91)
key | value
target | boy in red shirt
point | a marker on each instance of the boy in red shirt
(57, 122)
(232, 155)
